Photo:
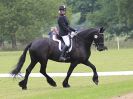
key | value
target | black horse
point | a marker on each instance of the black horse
(43, 49)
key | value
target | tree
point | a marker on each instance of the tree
(115, 15)
(125, 16)
(84, 7)
(25, 20)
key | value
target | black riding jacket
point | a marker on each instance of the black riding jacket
(64, 27)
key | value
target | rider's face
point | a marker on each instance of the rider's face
(62, 12)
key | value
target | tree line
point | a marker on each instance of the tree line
(115, 15)
(25, 20)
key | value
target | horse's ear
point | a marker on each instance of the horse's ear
(102, 30)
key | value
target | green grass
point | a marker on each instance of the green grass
(81, 87)
(111, 60)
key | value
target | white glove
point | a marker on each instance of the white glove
(76, 32)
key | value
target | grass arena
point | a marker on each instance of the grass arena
(82, 87)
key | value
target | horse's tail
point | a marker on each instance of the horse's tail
(21, 61)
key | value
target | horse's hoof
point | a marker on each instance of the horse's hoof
(21, 84)
(66, 85)
(24, 88)
(52, 83)
(96, 82)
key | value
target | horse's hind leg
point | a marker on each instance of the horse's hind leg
(23, 83)
(95, 76)
(43, 71)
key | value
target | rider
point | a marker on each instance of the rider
(64, 30)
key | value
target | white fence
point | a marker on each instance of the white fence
(116, 73)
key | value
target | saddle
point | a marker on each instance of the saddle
(58, 39)
(61, 43)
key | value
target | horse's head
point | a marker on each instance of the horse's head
(93, 34)
(99, 39)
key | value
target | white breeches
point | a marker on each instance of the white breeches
(66, 39)
(55, 39)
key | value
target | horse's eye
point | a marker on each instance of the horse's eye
(95, 36)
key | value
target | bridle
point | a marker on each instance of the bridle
(97, 38)
(98, 34)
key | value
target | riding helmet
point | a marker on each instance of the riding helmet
(62, 7)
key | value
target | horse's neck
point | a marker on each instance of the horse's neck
(86, 43)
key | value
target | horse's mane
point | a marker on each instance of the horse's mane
(87, 32)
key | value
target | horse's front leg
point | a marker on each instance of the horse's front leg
(70, 70)
(95, 76)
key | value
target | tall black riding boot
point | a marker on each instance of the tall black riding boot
(62, 56)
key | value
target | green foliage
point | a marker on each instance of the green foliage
(125, 16)
(106, 16)
(25, 20)
(83, 6)
(115, 15)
